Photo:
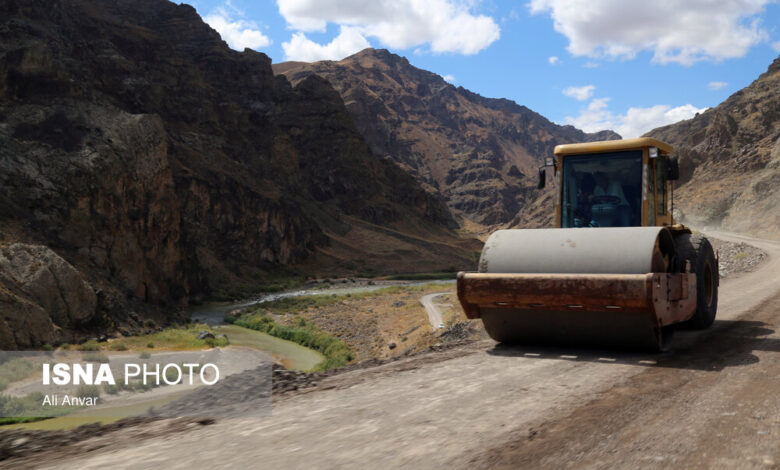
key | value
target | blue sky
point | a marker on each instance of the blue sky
(620, 64)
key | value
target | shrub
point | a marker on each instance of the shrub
(172, 375)
(117, 346)
(88, 391)
(94, 357)
(218, 342)
(90, 345)
(13, 370)
(336, 352)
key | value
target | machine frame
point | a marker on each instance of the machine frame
(557, 285)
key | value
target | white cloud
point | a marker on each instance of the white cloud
(238, 33)
(579, 93)
(554, 60)
(636, 121)
(716, 85)
(681, 31)
(449, 78)
(776, 46)
(443, 25)
(348, 42)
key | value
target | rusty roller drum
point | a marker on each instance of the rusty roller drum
(600, 286)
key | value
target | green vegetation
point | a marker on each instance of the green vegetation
(336, 352)
(259, 317)
(424, 276)
(117, 346)
(13, 370)
(88, 391)
(171, 375)
(741, 255)
(93, 356)
(179, 338)
(24, 410)
(91, 345)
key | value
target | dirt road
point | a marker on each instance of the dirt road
(433, 310)
(712, 403)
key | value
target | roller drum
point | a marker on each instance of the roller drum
(620, 250)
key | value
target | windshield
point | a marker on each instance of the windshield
(602, 190)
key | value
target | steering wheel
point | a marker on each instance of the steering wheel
(606, 200)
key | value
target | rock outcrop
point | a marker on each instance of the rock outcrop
(480, 153)
(42, 297)
(730, 160)
(165, 167)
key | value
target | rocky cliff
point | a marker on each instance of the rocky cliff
(480, 153)
(161, 166)
(730, 160)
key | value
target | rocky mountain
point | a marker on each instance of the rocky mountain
(144, 159)
(480, 153)
(730, 160)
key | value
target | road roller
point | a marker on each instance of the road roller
(616, 270)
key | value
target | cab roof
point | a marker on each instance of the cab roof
(613, 146)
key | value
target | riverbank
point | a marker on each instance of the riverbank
(376, 322)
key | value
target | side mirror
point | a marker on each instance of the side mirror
(673, 169)
(542, 178)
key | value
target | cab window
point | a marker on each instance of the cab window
(660, 186)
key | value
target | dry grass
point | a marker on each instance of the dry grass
(369, 322)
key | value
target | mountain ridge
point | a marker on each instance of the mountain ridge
(480, 153)
(730, 160)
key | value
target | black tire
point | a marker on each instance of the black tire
(696, 249)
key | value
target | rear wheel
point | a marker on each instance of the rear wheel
(697, 250)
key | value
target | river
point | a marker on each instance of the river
(289, 354)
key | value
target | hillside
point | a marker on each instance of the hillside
(480, 153)
(730, 160)
(143, 163)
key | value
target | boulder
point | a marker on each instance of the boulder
(46, 279)
(205, 335)
(42, 297)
